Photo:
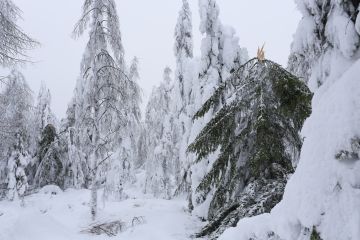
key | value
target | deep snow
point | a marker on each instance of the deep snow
(63, 216)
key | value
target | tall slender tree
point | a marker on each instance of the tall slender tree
(160, 139)
(74, 175)
(16, 103)
(183, 53)
(220, 55)
(184, 93)
(104, 97)
(42, 117)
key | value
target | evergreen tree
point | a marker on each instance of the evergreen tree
(15, 119)
(325, 53)
(104, 101)
(160, 166)
(327, 31)
(183, 53)
(120, 172)
(184, 96)
(184, 91)
(142, 148)
(43, 117)
(16, 104)
(43, 113)
(220, 50)
(50, 170)
(220, 55)
(13, 47)
(257, 132)
(74, 176)
(17, 179)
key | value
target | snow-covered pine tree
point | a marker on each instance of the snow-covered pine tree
(43, 116)
(160, 165)
(105, 103)
(324, 190)
(120, 172)
(184, 89)
(139, 149)
(15, 105)
(74, 176)
(220, 55)
(257, 131)
(13, 49)
(326, 31)
(17, 179)
(135, 102)
(142, 148)
(51, 155)
(220, 50)
(183, 53)
(14, 42)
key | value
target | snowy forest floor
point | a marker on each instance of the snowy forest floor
(64, 215)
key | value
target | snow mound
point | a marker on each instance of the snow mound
(51, 189)
(324, 192)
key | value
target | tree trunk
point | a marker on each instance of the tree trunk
(94, 200)
(189, 192)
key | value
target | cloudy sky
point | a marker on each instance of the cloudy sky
(147, 28)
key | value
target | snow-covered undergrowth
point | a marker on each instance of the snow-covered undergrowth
(56, 215)
(324, 192)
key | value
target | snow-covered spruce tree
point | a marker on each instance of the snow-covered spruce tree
(120, 172)
(161, 154)
(17, 179)
(43, 116)
(16, 103)
(183, 53)
(320, 197)
(220, 50)
(327, 31)
(15, 119)
(105, 109)
(257, 131)
(142, 148)
(220, 55)
(51, 158)
(14, 42)
(74, 176)
(135, 103)
(140, 135)
(13, 47)
(184, 89)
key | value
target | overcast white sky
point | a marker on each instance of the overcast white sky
(147, 28)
